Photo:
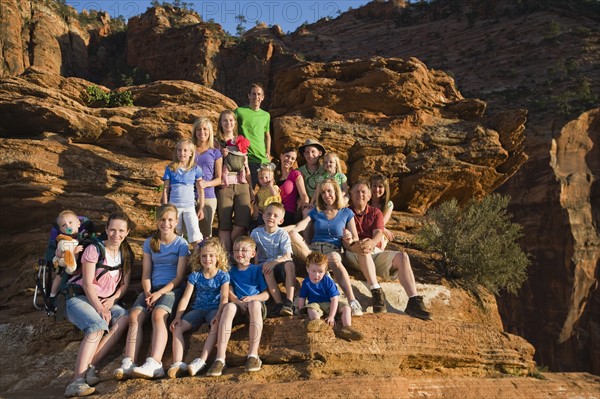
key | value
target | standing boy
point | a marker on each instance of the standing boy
(274, 255)
(254, 124)
(323, 296)
(246, 302)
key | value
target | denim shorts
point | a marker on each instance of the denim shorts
(324, 247)
(197, 317)
(167, 301)
(81, 313)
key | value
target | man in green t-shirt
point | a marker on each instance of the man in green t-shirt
(253, 123)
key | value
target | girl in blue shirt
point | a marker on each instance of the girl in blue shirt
(209, 281)
(164, 267)
(181, 177)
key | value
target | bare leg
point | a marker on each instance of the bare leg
(312, 314)
(178, 342)
(299, 246)
(87, 349)
(211, 340)
(160, 334)
(273, 287)
(107, 342)
(224, 333)
(367, 266)
(236, 232)
(225, 237)
(256, 327)
(346, 312)
(290, 280)
(341, 275)
(134, 335)
(401, 263)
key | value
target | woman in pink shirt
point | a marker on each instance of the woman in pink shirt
(291, 185)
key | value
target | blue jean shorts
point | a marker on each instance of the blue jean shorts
(81, 313)
(197, 317)
(167, 302)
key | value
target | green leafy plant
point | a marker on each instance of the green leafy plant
(97, 96)
(477, 244)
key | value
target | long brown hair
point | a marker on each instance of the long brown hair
(127, 256)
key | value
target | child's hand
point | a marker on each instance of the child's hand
(330, 320)
(388, 234)
(78, 249)
(200, 214)
(175, 323)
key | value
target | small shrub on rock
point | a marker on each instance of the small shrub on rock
(96, 97)
(477, 244)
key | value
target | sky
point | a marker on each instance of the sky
(289, 14)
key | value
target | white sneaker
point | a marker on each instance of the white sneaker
(176, 368)
(195, 366)
(125, 371)
(356, 308)
(79, 388)
(90, 376)
(149, 370)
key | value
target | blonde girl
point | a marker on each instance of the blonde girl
(380, 199)
(210, 159)
(333, 170)
(268, 191)
(164, 265)
(209, 281)
(180, 177)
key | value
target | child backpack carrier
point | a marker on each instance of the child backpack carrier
(45, 266)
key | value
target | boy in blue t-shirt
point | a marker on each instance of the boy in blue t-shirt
(322, 295)
(246, 302)
(274, 255)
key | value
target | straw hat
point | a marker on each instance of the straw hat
(311, 143)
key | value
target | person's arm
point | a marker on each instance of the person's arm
(218, 172)
(165, 193)
(222, 303)
(262, 297)
(88, 272)
(332, 310)
(268, 144)
(350, 241)
(200, 191)
(268, 266)
(182, 305)
(302, 190)
(147, 276)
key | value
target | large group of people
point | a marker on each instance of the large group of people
(190, 278)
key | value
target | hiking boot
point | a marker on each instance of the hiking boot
(195, 366)
(356, 308)
(287, 308)
(378, 300)
(79, 388)
(176, 368)
(350, 334)
(216, 369)
(316, 325)
(149, 370)
(416, 308)
(125, 371)
(253, 364)
(90, 376)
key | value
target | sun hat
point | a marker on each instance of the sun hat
(311, 143)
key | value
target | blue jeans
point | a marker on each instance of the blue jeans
(81, 313)
(196, 317)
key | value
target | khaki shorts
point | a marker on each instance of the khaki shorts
(324, 247)
(233, 206)
(323, 308)
(383, 262)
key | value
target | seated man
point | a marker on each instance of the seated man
(365, 254)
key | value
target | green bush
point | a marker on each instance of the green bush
(98, 97)
(477, 244)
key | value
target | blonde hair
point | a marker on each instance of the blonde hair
(160, 212)
(339, 201)
(245, 240)
(65, 213)
(190, 163)
(213, 242)
(211, 135)
(338, 164)
(220, 127)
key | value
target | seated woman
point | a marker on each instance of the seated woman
(92, 301)
(330, 223)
